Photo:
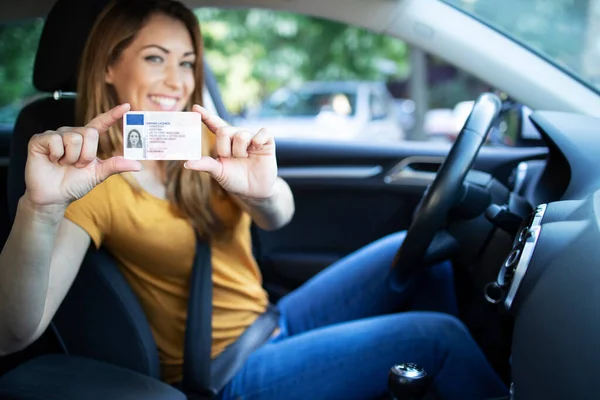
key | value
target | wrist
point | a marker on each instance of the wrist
(47, 213)
(262, 199)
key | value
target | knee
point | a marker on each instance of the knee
(450, 334)
(444, 329)
(451, 326)
(387, 245)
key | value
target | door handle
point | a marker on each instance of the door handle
(414, 170)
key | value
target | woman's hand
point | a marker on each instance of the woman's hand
(62, 165)
(245, 165)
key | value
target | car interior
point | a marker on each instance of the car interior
(520, 223)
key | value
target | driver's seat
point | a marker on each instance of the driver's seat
(100, 321)
(100, 317)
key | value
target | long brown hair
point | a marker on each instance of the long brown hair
(191, 192)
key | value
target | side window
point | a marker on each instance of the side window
(18, 45)
(378, 106)
(276, 71)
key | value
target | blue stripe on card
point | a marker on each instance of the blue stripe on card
(135, 119)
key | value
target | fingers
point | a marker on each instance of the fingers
(73, 142)
(212, 121)
(104, 121)
(115, 165)
(241, 141)
(67, 146)
(223, 143)
(81, 146)
(89, 149)
(49, 143)
(232, 141)
(76, 145)
(207, 164)
(56, 150)
(262, 139)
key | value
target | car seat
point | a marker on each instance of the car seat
(100, 318)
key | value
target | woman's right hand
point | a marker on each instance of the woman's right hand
(62, 165)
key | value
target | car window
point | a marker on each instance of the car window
(276, 70)
(18, 45)
(564, 32)
(378, 106)
(308, 101)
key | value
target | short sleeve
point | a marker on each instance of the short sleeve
(93, 213)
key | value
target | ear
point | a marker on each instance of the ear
(108, 76)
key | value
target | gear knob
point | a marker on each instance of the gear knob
(408, 381)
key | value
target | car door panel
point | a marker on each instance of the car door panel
(350, 194)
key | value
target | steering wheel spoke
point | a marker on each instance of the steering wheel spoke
(425, 243)
(443, 247)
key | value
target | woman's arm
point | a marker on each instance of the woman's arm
(44, 250)
(272, 212)
(37, 267)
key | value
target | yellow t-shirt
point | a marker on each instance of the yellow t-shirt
(155, 249)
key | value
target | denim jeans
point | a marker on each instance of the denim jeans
(344, 329)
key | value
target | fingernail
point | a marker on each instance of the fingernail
(185, 165)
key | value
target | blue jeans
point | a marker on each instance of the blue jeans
(342, 331)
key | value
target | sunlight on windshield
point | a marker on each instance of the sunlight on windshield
(566, 32)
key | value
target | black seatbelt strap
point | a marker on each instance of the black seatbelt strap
(198, 332)
(201, 375)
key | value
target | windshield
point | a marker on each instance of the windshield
(307, 103)
(565, 32)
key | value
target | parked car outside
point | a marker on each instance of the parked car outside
(339, 110)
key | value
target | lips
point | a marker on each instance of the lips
(165, 103)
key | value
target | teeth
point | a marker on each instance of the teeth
(163, 101)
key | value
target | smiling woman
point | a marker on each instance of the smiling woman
(156, 77)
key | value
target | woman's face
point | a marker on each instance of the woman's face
(134, 138)
(156, 71)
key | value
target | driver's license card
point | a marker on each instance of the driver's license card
(162, 135)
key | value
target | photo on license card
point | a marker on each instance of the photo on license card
(162, 135)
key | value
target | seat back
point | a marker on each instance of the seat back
(100, 317)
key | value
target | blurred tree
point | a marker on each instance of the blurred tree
(254, 52)
(555, 28)
(18, 45)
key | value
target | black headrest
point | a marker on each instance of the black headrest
(63, 38)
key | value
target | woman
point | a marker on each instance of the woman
(134, 140)
(338, 334)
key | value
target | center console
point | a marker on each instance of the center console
(512, 272)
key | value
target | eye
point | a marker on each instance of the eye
(188, 64)
(154, 59)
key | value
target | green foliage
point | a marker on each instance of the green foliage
(555, 28)
(254, 52)
(18, 45)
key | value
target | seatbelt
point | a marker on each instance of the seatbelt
(202, 375)
(198, 332)
(231, 360)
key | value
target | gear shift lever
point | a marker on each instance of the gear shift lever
(408, 381)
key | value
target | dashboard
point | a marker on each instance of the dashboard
(550, 279)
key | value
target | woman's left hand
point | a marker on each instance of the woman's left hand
(245, 165)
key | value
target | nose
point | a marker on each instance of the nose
(173, 77)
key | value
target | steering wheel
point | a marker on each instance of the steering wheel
(443, 193)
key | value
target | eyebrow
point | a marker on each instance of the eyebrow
(189, 53)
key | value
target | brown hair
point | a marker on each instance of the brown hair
(189, 191)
